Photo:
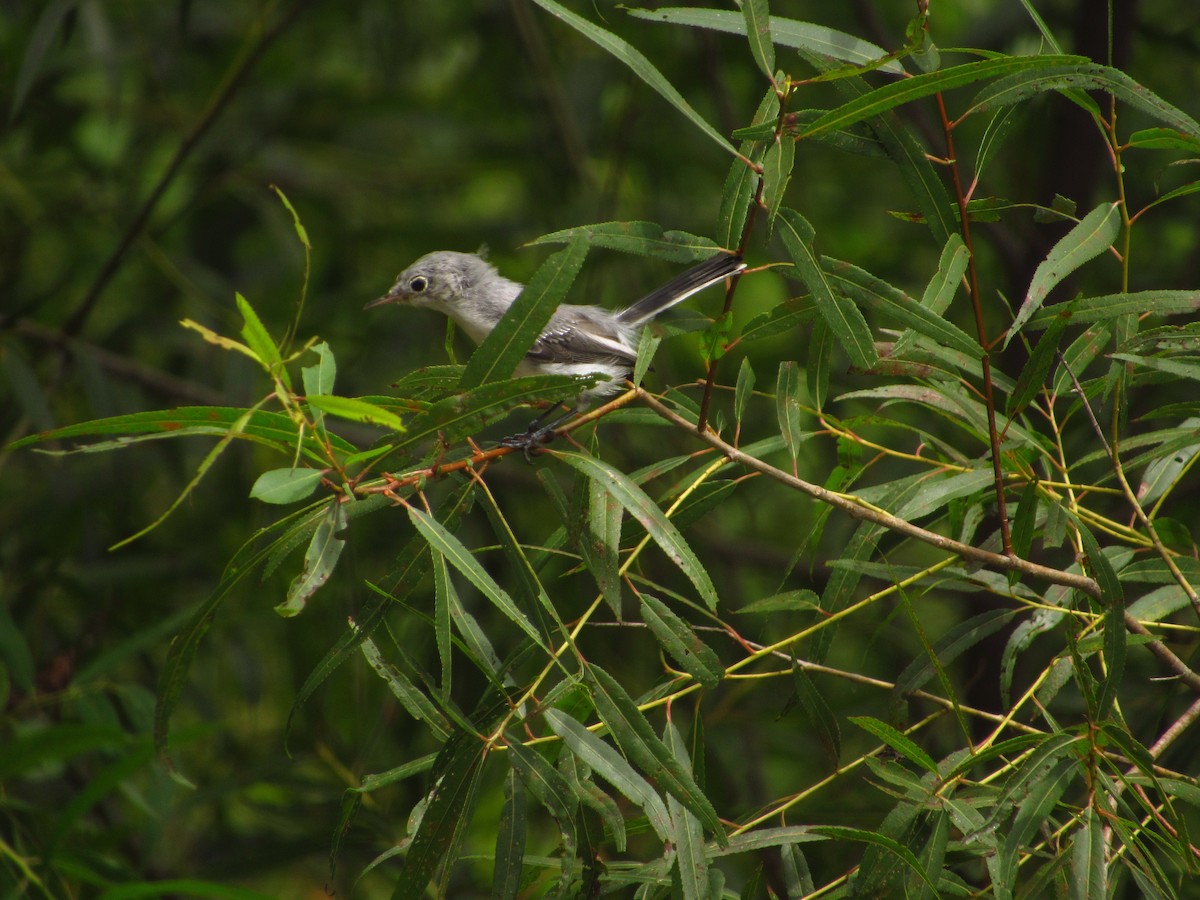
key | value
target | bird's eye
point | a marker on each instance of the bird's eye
(418, 284)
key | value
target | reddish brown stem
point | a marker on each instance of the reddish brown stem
(985, 358)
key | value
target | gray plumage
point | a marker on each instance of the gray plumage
(578, 340)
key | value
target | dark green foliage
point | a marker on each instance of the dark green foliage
(883, 584)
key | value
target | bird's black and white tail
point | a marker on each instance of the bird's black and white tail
(679, 289)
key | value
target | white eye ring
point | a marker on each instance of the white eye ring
(418, 284)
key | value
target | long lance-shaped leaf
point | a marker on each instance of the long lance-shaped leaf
(510, 840)
(682, 643)
(657, 525)
(637, 739)
(638, 63)
(612, 767)
(1083, 76)
(757, 16)
(1087, 240)
(549, 786)
(322, 555)
(270, 428)
(1111, 306)
(460, 557)
(459, 770)
(639, 238)
(898, 93)
(878, 840)
(785, 32)
(845, 321)
(689, 838)
(514, 334)
(876, 294)
(909, 154)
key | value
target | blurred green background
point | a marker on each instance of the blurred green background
(394, 129)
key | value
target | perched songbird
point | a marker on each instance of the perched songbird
(579, 340)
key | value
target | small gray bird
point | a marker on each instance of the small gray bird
(579, 340)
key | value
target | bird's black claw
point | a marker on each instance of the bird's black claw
(529, 442)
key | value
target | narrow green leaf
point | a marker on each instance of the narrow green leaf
(762, 838)
(591, 795)
(49, 21)
(688, 836)
(846, 322)
(459, 557)
(1033, 813)
(818, 711)
(201, 470)
(1089, 873)
(1025, 521)
(798, 600)
(788, 407)
(926, 184)
(550, 788)
(952, 265)
(637, 63)
(897, 93)
(639, 742)
(639, 238)
(647, 347)
(498, 355)
(1112, 306)
(322, 556)
(939, 490)
(897, 740)
(259, 340)
(878, 840)
(1164, 139)
(612, 767)
(1112, 595)
(777, 172)
(510, 839)
(355, 410)
(286, 485)
(1182, 368)
(949, 647)
(269, 428)
(1087, 240)
(757, 16)
(682, 643)
(1033, 376)
(642, 508)
(875, 294)
(818, 39)
(796, 874)
(444, 599)
(780, 318)
(1067, 74)
(744, 389)
(603, 537)
(738, 192)
(366, 621)
(410, 696)
(458, 772)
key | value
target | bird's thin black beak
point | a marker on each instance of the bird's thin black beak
(386, 298)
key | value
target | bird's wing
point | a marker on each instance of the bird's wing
(565, 344)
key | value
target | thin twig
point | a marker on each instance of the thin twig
(1119, 470)
(999, 561)
(985, 359)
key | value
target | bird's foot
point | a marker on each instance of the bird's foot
(530, 442)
